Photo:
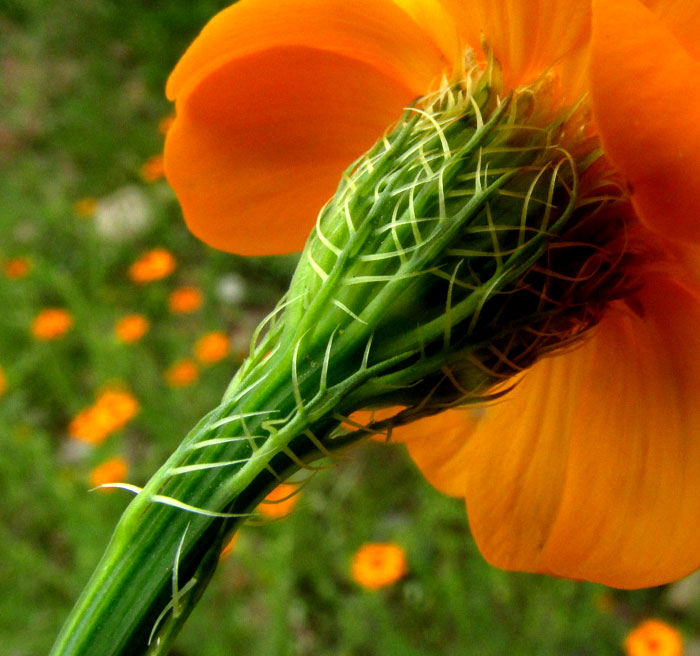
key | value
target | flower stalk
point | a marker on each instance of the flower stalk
(450, 258)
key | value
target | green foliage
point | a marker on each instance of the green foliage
(81, 98)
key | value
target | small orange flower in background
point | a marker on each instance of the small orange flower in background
(17, 267)
(152, 169)
(3, 382)
(51, 323)
(654, 638)
(182, 373)
(166, 123)
(212, 347)
(153, 265)
(185, 300)
(121, 405)
(376, 565)
(280, 502)
(85, 207)
(112, 411)
(113, 470)
(131, 328)
(86, 428)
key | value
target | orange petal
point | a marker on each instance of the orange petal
(274, 100)
(527, 36)
(438, 447)
(645, 88)
(377, 32)
(257, 149)
(682, 17)
(514, 466)
(632, 495)
(439, 22)
(590, 467)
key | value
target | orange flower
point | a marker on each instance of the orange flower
(131, 328)
(17, 267)
(85, 207)
(376, 565)
(185, 300)
(280, 502)
(111, 412)
(654, 638)
(182, 373)
(3, 382)
(86, 427)
(212, 347)
(121, 405)
(590, 466)
(152, 169)
(153, 265)
(51, 323)
(114, 470)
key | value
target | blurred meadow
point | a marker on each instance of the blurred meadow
(118, 330)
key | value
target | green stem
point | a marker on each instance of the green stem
(161, 556)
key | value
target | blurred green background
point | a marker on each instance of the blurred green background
(80, 104)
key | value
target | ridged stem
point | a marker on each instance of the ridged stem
(162, 556)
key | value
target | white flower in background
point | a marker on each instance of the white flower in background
(124, 214)
(231, 288)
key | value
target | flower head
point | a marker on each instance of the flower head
(3, 382)
(51, 323)
(114, 470)
(376, 565)
(182, 373)
(112, 410)
(212, 347)
(17, 267)
(604, 431)
(153, 265)
(654, 638)
(184, 300)
(131, 328)
(120, 404)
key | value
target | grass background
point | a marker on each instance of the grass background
(80, 100)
